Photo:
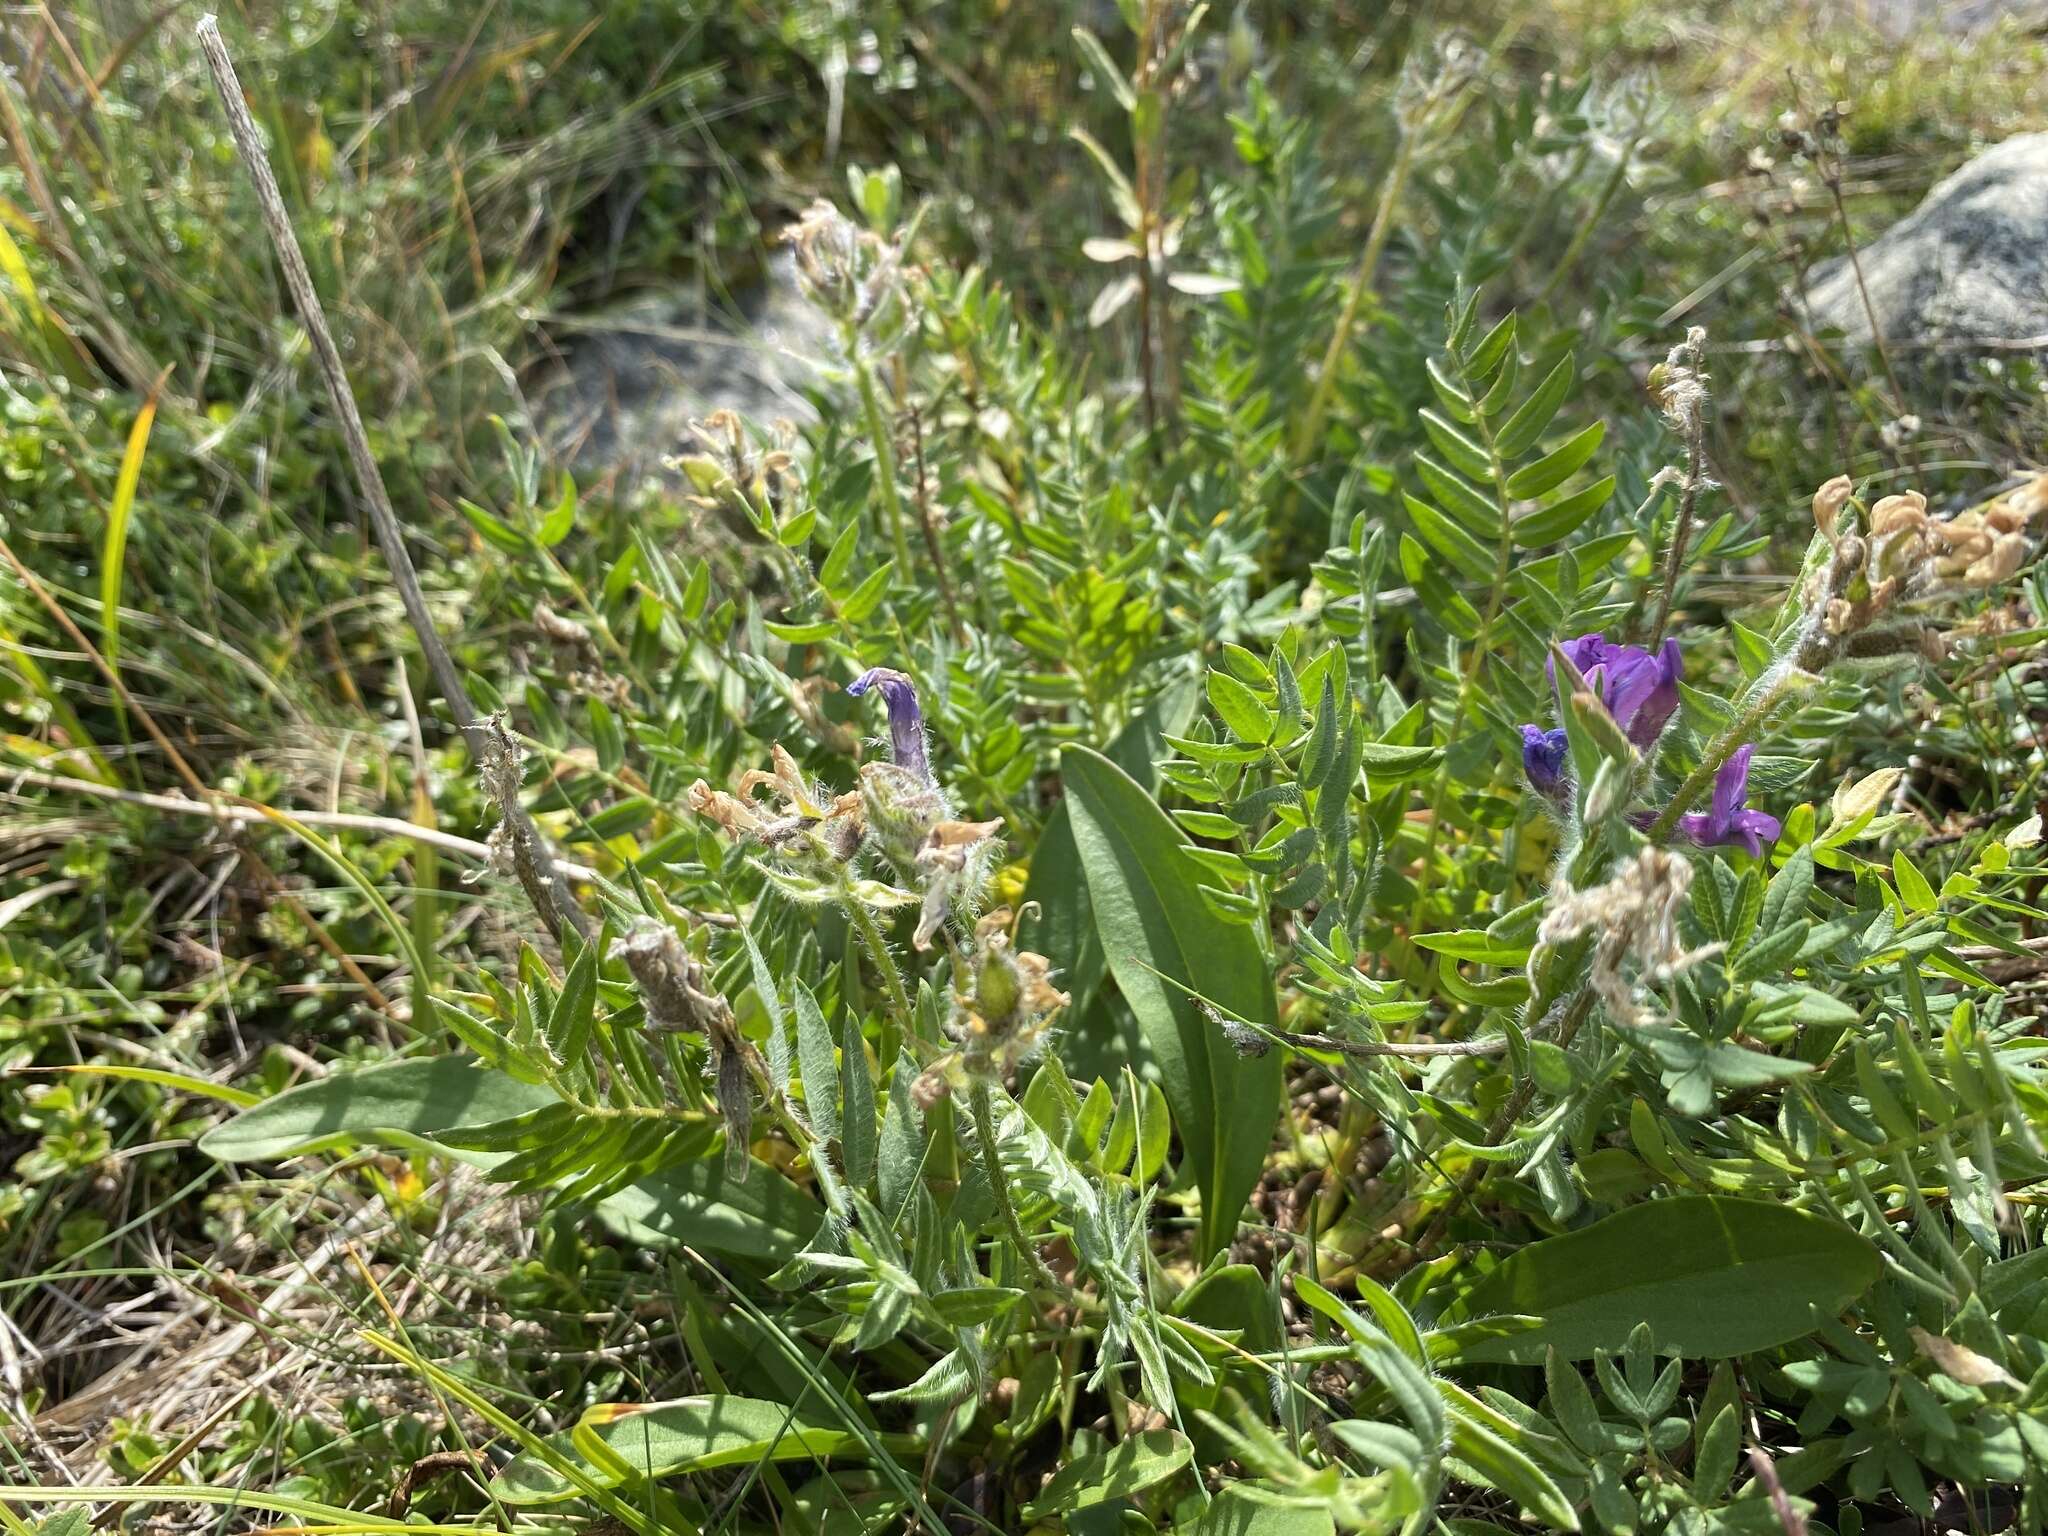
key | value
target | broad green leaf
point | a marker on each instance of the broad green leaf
(1058, 921)
(1243, 1509)
(1466, 554)
(1914, 890)
(1104, 69)
(1466, 456)
(1157, 930)
(556, 525)
(620, 1443)
(1493, 346)
(1130, 1466)
(1456, 402)
(1548, 524)
(605, 735)
(816, 1064)
(1712, 1275)
(762, 1217)
(1558, 465)
(1120, 191)
(804, 634)
(1444, 605)
(1460, 500)
(402, 1104)
(1387, 761)
(568, 1027)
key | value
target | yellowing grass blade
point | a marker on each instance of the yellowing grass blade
(16, 267)
(241, 1098)
(115, 550)
(39, 683)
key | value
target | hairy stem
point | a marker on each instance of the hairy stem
(885, 456)
(1773, 686)
(981, 1108)
(1681, 534)
(892, 977)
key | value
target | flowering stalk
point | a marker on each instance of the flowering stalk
(1781, 680)
(878, 951)
(1685, 398)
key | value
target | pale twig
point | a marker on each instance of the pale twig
(248, 813)
(546, 885)
(252, 815)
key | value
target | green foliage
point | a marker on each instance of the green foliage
(1186, 1078)
(1178, 963)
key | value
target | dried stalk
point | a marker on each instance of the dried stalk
(546, 886)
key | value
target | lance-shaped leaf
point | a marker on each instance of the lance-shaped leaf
(1713, 1276)
(1164, 941)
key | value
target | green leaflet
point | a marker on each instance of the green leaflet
(1058, 921)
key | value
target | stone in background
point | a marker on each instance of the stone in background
(634, 376)
(1969, 264)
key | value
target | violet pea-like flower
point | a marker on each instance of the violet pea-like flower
(906, 720)
(1639, 687)
(1729, 822)
(1543, 755)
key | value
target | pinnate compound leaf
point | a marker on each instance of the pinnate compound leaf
(413, 1104)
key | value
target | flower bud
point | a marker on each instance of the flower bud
(997, 986)
(1828, 502)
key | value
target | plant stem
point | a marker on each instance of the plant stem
(1681, 534)
(1590, 222)
(980, 1106)
(878, 951)
(546, 887)
(1770, 688)
(1576, 1011)
(1884, 355)
(885, 455)
(1361, 280)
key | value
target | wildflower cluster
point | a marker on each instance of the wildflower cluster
(899, 810)
(852, 274)
(1893, 552)
(732, 474)
(1638, 689)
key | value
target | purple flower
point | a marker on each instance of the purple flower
(1639, 687)
(1730, 821)
(1543, 755)
(906, 720)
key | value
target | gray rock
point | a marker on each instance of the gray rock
(1969, 264)
(1900, 19)
(634, 376)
